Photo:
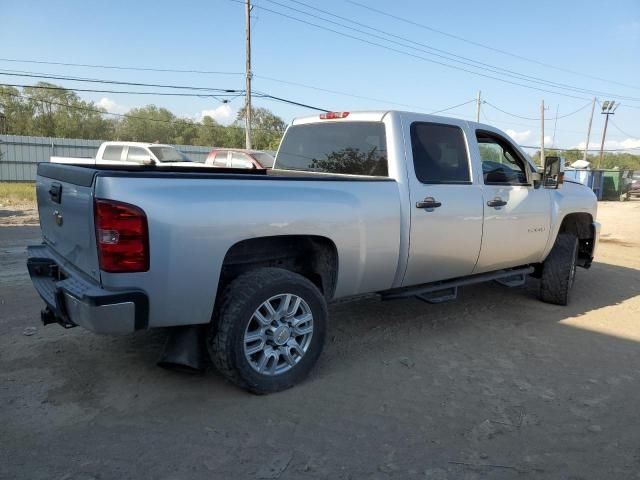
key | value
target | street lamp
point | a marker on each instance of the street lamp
(608, 108)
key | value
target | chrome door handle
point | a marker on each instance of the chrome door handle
(429, 203)
(496, 202)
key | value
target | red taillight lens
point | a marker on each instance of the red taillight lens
(333, 115)
(122, 237)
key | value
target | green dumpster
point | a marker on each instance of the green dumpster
(616, 184)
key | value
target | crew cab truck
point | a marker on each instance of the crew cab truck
(395, 203)
(132, 153)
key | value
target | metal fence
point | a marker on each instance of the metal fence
(20, 155)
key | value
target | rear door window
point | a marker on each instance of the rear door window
(112, 152)
(240, 160)
(439, 153)
(137, 154)
(220, 160)
(356, 148)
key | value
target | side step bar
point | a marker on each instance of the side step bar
(437, 292)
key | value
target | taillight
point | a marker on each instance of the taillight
(122, 236)
(333, 115)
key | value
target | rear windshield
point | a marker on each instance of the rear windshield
(356, 148)
(264, 159)
(169, 154)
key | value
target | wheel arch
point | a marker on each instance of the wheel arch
(312, 256)
(580, 224)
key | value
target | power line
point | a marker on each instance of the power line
(454, 106)
(117, 67)
(181, 87)
(337, 92)
(15, 73)
(291, 102)
(537, 118)
(447, 55)
(581, 149)
(122, 92)
(622, 131)
(412, 55)
(125, 115)
(478, 44)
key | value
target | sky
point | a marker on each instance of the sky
(404, 65)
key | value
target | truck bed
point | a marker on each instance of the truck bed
(196, 216)
(83, 174)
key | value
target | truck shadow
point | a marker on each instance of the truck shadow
(366, 325)
(369, 337)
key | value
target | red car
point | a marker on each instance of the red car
(239, 158)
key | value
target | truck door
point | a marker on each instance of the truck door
(446, 203)
(517, 213)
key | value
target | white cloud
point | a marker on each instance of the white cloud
(519, 137)
(111, 106)
(222, 114)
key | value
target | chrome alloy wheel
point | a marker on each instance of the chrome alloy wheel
(278, 334)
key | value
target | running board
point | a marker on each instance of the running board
(448, 289)
(513, 281)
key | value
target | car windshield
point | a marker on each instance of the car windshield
(264, 159)
(169, 154)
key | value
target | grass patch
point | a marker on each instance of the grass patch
(14, 193)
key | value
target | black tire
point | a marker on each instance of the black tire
(241, 298)
(559, 270)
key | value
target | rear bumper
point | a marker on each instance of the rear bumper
(72, 299)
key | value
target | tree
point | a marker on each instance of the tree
(267, 128)
(353, 161)
(148, 124)
(52, 111)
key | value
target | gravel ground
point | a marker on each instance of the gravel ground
(496, 385)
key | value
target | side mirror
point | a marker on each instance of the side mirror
(553, 175)
(147, 161)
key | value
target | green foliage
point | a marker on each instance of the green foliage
(353, 161)
(621, 160)
(52, 113)
(61, 113)
(267, 128)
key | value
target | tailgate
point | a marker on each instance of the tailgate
(65, 205)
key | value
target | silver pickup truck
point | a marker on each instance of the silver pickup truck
(394, 203)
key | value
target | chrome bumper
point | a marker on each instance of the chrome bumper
(72, 299)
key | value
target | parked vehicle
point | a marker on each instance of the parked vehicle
(133, 153)
(634, 189)
(395, 203)
(239, 158)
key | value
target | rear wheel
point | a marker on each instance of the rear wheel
(270, 330)
(559, 270)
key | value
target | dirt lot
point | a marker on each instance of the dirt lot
(496, 385)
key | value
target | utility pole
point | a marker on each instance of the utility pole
(478, 103)
(555, 124)
(608, 108)
(542, 135)
(247, 112)
(586, 147)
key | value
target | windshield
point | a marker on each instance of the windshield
(264, 159)
(169, 154)
(356, 148)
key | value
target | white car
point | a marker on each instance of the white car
(133, 153)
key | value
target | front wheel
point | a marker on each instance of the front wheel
(559, 270)
(269, 331)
